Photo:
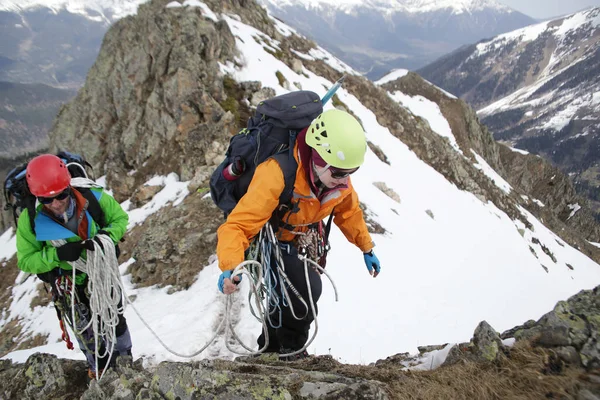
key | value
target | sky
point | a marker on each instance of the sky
(449, 260)
(549, 8)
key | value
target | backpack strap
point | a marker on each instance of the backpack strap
(289, 167)
(30, 206)
(93, 207)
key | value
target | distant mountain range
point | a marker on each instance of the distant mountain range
(46, 50)
(26, 115)
(54, 42)
(375, 37)
(538, 89)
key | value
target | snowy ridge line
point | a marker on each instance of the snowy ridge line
(404, 6)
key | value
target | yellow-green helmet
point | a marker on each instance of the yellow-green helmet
(338, 138)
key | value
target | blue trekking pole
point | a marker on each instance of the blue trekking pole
(332, 90)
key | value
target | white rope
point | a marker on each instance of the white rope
(83, 182)
(105, 290)
(255, 287)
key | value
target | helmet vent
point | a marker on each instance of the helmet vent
(324, 133)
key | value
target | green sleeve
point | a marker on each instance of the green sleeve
(116, 218)
(33, 256)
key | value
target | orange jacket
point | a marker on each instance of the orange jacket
(255, 208)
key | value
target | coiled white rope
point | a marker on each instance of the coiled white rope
(105, 289)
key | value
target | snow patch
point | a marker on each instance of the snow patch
(173, 192)
(574, 208)
(206, 11)
(8, 244)
(392, 76)
(430, 111)
(520, 151)
(490, 173)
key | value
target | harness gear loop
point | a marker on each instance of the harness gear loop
(65, 335)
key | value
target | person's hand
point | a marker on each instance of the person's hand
(97, 239)
(226, 284)
(372, 263)
(72, 251)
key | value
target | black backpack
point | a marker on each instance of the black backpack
(271, 133)
(18, 197)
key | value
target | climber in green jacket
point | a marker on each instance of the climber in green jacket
(77, 216)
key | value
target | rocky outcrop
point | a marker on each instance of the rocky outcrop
(571, 329)
(151, 102)
(172, 246)
(44, 376)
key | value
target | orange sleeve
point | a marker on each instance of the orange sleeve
(250, 214)
(349, 218)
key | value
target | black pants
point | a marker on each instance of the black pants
(292, 333)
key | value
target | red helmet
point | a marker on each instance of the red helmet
(47, 176)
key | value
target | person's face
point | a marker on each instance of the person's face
(332, 177)
(57, 204)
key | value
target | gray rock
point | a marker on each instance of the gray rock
(569, 354)
(487, 344)
(45, 376)
(587, 395)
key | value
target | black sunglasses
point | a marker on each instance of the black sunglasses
(341, 173)
(61, 196)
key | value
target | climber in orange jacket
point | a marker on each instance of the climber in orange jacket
(327, 152)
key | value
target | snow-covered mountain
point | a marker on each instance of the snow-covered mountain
(411, 6)
(401, 33)
(458, 242)
(105, 11)
(538, 89)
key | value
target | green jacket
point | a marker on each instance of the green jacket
(34, 252)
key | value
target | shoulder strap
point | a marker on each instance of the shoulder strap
(93, 207)
(289, 167)
(30, 206)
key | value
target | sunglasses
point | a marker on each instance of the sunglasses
(341, 173)
(61, 196)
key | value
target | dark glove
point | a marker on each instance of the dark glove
(50, 276)
(72, 251)
(103, 232)
(97, 240)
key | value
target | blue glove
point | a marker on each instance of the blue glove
(372, 263)
(227, 274)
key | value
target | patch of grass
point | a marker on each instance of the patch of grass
(335, 100)
(280, 78)
(233, 103)
(278, 54)
(526, 373)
